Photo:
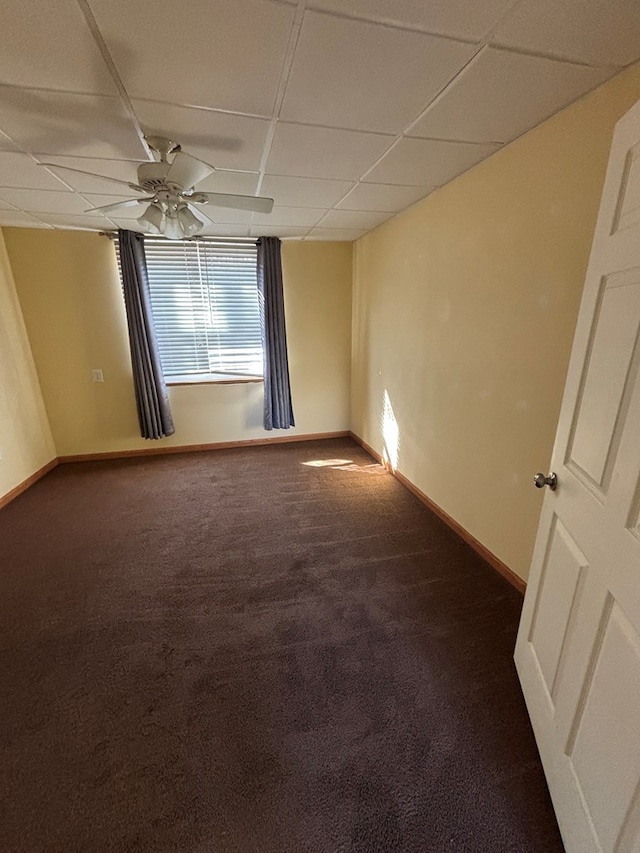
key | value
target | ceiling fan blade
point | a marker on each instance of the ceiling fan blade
(94, 175)
(258, 204)
(199, 212)
(186, 171)
(119, 206)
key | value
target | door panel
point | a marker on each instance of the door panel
(604, 749)
(559, 586)
(628, 209)
(634, 516)
(609, 375)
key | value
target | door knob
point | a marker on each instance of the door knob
(541, 481)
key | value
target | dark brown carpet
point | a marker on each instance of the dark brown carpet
(235, 651)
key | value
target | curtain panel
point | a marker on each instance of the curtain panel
(152, 400)
(278, 408)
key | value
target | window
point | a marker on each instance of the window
(205, 308)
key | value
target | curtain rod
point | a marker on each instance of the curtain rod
(246, 241)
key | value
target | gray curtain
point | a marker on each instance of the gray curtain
(152, 399)
(278, 409)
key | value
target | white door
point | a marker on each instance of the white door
(578, 649)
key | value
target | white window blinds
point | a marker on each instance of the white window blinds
(205, 306)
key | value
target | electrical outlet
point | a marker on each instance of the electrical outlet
(97, 376)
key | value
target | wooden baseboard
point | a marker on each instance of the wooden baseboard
(22, 487)
(489, 557)
(199, 448)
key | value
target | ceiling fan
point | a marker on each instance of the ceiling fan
(170, 198)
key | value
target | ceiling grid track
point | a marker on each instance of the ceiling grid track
(113, 71)
(294, 35)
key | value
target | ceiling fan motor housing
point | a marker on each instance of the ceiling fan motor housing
(151, 175)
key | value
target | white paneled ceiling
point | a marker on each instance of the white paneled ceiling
(47, 122)
(228, 140)
(226, 55)
(588, 31)
(49, 46)
(343, 111)
(491, 102)
(338, 60)
(309, 151)
(430, 162)
(468, 20)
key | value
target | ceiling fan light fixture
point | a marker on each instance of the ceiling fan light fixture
(190, 223)
(173, 229)
(151, 219)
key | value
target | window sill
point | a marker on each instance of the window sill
(212, 379)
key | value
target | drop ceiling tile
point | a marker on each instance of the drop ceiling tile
(302, 192)
(449, 17)
(62, 123)
(225, 215)
(320, 152)
(356, 219)
(49, 45)
(17, 219)
(303, 217)
(226, 55)
(220, 230)
(221, 181)
(427, 161)
(19, 170)
(591, 31)
(224, 140)
(365, 76)
(42, 201)
(384, 197)
(349, 234)
(121, 170)
(278, 231)
(82, 223)
(502, 94)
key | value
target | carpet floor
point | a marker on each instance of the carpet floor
(263, 650)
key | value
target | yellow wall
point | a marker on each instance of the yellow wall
(26, 444)
(464, 312)
(69, 289)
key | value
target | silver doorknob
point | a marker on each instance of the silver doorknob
(541, 481)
